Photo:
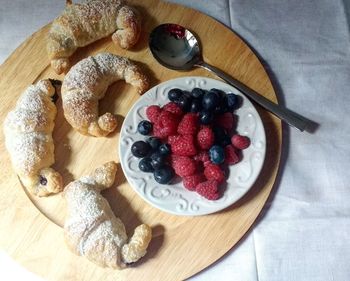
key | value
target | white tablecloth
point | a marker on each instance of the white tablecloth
(303, 232)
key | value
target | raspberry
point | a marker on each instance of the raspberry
(153, 113)
(225, 120)
(202, 156)
(240, 142)
(183, 165)
(188, 125)
(208, 189)
(173, 108)
(158, 133)
(166, 125)
(206, 163)
(231, 155)
(173, 158)
(213, 172)
(205, 138)
(190, 182)
(201, 126)
(182, 145)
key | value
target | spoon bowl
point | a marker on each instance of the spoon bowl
(177, 48)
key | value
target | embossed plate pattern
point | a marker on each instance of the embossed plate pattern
(174, 198)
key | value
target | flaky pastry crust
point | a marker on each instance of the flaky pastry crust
(92, 230)
(83, 23)
(87, 82)
(28, 138)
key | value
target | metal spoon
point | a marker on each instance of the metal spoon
(177, 48)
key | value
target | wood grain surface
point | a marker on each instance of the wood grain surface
(181, 246)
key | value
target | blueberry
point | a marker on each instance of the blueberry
(140, 149)
(187, 94)
(210, 100)
(164, 175)
(221, 137)
(196, 105)
(164, 149)
(158, 160)
(154, 142)
(205, 117)
(220, 110)
(219, 92)
(217, 154)
(175, 94)
(232, 101)
(218, 131)
(222, 107)
(225, 140)
(184, 102)
(144, 127)
(145, 165)
(197, 93)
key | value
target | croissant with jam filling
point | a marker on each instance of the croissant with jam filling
(28, 138)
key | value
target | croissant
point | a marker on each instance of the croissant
(87, 82)
(92, 230)
(28, 138)
(82, 24)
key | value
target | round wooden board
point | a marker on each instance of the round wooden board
(181, 246)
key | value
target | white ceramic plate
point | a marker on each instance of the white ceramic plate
(174, 198)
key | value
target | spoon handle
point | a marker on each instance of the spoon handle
(281, 112)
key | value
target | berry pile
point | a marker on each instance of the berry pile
(194, 137)
(154, 156)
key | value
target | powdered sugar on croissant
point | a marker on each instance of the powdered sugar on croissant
(92, 230)
(28, 138)
(87, 82)
(84, 23)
